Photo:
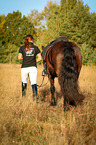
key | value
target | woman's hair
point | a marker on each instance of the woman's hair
(27, 41)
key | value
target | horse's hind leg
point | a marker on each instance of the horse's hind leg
(52, 89)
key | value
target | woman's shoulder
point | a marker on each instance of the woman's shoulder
(22, 47)
(33, 45)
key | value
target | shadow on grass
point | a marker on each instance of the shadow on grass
(45, 95)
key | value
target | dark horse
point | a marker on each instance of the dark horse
(63, 60)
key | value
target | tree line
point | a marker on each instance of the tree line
(69, 18)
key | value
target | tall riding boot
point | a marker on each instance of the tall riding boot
(34, 89)
(24, 86)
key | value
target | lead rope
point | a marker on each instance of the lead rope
(42, 82)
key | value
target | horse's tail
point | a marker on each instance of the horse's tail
(69, 77)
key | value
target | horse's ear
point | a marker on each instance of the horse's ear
(43, 47)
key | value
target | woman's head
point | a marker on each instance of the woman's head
(28, 39)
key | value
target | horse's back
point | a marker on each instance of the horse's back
(60, 38)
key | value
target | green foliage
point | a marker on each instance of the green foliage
(9, 53)
(69, 18)
(15, 28)
(73, 20)
(88, 55)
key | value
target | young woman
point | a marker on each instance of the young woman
(29, 54)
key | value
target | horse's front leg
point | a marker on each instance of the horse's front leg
(52, 89)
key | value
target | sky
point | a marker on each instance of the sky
(25, 6)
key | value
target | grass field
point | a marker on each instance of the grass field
(24, 122)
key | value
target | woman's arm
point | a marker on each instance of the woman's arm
(20, 56)
(39, 57)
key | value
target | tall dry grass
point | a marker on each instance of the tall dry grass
(23, 121)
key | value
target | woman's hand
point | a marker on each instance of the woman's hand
(20, 56)
(39, 57)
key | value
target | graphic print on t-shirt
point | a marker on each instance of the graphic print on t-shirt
(31, 53)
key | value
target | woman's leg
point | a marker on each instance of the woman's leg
(24, 76)
(24, 86)
(33, 80)
(34, 89)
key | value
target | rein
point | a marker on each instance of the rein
(42, 82)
